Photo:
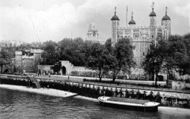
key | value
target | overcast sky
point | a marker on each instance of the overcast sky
(42, 20)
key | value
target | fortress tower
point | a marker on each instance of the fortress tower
(141, 36)
(166, 25)
(153, 23)
(115, 26)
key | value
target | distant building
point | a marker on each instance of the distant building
(28, 60)
(141, 36)
(9, 44)
(92, 33)
(12, 43)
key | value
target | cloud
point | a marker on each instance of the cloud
(42, 20)
(32, 25)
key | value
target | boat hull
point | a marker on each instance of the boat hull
(130, 106)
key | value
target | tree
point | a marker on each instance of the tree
(177, 57)
(171, 54)
(86, 50)
(50, 55)
(154, 59)
(108, 45)
(120, 57)
(5, 58)
(72, 50)
(57, 67)
(186, 41)
(97, 59)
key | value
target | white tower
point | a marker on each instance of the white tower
(166, 25)
(115, 25)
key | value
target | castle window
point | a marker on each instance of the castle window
(135, 35)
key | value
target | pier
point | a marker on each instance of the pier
(166, 97)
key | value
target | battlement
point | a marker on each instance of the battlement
(136, 27)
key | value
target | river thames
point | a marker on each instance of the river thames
(23, 105)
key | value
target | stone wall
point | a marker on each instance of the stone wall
(70, 68)
(44, 69)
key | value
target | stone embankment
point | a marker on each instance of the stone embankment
(166, 97)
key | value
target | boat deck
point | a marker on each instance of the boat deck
(128, 100)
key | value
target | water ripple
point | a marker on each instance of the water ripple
(22, 105)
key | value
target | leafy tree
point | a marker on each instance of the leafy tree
(154, 59)
(86, 50)
(72, 50)
(5, 58)
(120, 57)
(57, 67)
(97, 59)
(108, 45)
(171, 54)
(50, 55)
(187, 44)
(177, 57)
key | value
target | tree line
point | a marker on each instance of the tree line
(170, 56)
(112, 59)
(105, 58)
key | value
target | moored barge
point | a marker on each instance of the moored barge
(127, 103)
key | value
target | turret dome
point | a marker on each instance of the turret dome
(115, 17)
(132, 21)
(166, 17)
(152, 14)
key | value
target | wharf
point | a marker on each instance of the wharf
(90, 89)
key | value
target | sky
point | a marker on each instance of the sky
(44, 20)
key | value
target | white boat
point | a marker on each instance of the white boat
(127, 103)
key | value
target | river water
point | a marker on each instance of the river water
(24, 105)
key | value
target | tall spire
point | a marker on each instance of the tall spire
(115, 10)
(126, 15)
(152, 6)
(132, 15)
(166, 10)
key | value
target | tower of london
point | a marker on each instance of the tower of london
(141, 36)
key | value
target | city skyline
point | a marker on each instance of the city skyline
(42, 20)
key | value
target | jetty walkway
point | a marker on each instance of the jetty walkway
(94, 89)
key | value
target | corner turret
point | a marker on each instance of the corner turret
(115, 25)
(132, 21)
(166, 25)
(152, 16)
